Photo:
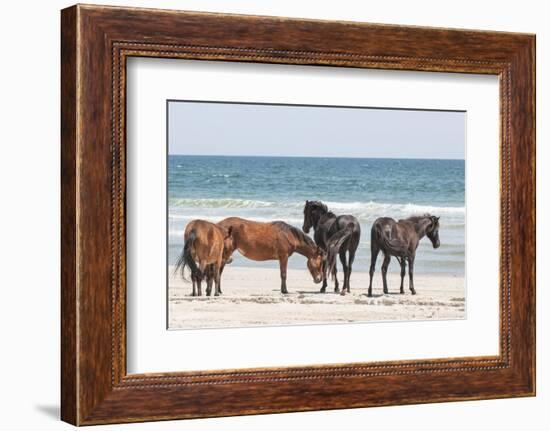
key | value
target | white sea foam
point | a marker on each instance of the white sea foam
(361, 207)
(388, 208)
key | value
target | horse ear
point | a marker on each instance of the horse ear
(437, 218)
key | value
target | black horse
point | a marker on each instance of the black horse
(336, 235)
(400, 239)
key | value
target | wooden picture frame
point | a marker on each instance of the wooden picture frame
(95, 43)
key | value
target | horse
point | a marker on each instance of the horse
(335, 235)
(211, 246)
(400, 239)
(275, 240)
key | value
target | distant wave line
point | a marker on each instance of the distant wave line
(335, 206)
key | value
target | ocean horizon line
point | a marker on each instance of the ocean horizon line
(317, 157)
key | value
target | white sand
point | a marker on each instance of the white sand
(252, 297)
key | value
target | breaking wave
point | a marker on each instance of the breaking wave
(337, 207)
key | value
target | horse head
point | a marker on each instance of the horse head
(432, 231)
(315, 265)
(312, 211)
(228, 245)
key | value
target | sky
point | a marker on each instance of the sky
(207, 128)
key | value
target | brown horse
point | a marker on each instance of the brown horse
(275, 241)
(400, 239)
(211, 246)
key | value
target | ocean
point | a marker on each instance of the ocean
(276, 188)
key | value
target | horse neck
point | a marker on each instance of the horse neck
(323, 216)
(421, 227)
(305, 249)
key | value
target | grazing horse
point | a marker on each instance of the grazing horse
(400, 239)
(275, 240)
(211, 246)
(335, 235)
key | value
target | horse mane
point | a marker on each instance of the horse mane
(295, 231)
(317, 204)
(321, 206)
(416, 219)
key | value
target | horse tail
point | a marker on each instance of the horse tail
(185, 259)
(393, 246)
(334, 244)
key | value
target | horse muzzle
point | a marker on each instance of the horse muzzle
(437, 244)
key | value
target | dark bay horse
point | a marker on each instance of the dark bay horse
(211, 246)
(400, 239)
(275, 240)
(336, 235)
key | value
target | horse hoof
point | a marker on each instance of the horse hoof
(336, 290)
(413, 292)
(402, 292)
(323, 290)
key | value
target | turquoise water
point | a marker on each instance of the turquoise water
(275, 188)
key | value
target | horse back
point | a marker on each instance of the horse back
(401, 233)
(255, 240)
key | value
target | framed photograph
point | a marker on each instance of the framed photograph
(255, 185)
(266, 215)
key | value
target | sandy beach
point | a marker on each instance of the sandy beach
(251, 297)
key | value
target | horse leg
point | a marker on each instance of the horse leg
(373, 256)
(194, 281)
(342, 254)
(208, 286)
(403, 264)
(385, 265)
(217, 279)
(283, 262)
(334, 274)
(208, 281)
(411, 271)
(199, 287)
(324, 286)
(350, 263)
(221, 272)
(203, 268)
